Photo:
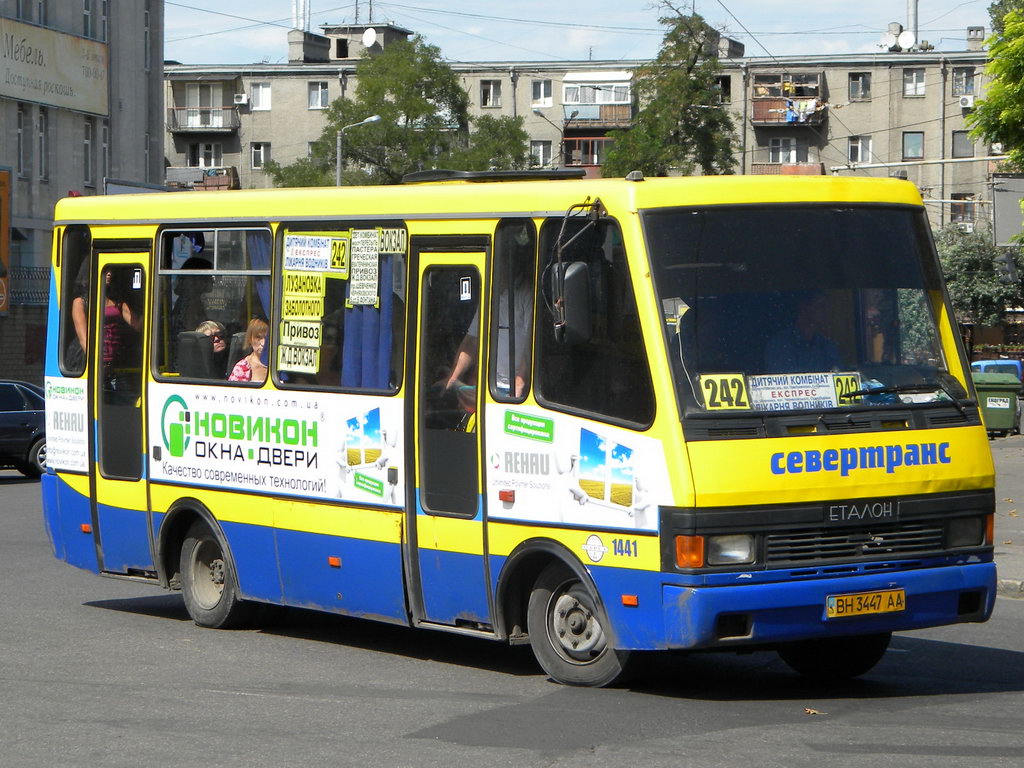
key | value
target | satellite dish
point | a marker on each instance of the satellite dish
(369, 37)
(906, 39)
(888, 41)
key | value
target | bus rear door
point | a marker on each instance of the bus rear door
(447, 541)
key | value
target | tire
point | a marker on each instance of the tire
(35, 463)
(566, 627)
(208, 582)
(835, 658)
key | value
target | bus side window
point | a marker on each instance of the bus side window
(76, 288)
(212, 285)
(511, 337)
(607, 376)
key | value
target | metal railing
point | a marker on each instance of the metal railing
(202, 119)
(30, 286)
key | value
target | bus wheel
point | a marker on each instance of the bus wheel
(208, 582)
(835, 658)
(566, 631)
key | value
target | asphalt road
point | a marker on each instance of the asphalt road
(99, 672)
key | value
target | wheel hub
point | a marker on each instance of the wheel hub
(576, 629)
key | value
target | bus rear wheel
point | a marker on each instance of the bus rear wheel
(208, 582)
(835, 658)
(567, 634)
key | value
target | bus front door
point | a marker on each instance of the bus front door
(446, 528)
(120, 513)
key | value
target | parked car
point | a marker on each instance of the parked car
(22, 427)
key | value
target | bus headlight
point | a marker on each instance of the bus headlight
(734, 549)
(965, 532)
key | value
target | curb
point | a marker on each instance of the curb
(1010, 588)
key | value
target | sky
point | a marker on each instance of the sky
(230, 32)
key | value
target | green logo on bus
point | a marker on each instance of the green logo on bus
(173, 429)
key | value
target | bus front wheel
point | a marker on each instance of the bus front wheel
(835, 658)
(208, 582)
(567, 634)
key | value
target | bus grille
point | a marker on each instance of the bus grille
(827, 544)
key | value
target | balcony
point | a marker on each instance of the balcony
(779, 110)
(202, 119)
(597, 115)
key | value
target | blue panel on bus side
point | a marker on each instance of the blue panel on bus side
(72, 512)
(255, 556)
(51, 368)
(369, 582)
(124, 538)
(442, 602)
(51, 515)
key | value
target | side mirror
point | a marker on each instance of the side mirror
(572, 304)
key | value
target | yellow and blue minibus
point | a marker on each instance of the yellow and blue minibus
(601, 417)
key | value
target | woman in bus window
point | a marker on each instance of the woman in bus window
(251, 367)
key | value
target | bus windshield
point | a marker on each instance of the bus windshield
(799, 307)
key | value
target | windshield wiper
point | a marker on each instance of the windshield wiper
(924, 386)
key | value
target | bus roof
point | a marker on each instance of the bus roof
(475, 199)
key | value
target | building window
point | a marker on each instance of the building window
(859, 149)
(87, 18)
(801, 86)
(782, 150)
(43, 142)
(541, 153)
(490, 93)
(204, 105)
(541, 93)
(596, 94)
(206, 155)
(105, 149)
(318, 95)
(962, 144)
(22, 158)
(963, 81)
(860, 86)
(42, 12)
(259, 95)
(260, 153)
(913, 82)
(962, 211)
(103, 20)
(913, 145)
(723, 84)
(87, 138)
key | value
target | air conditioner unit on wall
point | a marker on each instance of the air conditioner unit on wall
(241, 98)
(967, 101)
(966, 226)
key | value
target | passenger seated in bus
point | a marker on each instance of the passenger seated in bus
(219, 336)
(251, 367)
(804, 346)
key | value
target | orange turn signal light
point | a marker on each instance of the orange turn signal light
(990, 529)
(334, 562)
(507, 495)
(690, 551)
(86, 528)
(630, 600)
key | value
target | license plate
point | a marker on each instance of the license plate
(865, 603)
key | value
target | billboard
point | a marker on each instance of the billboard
(5, 240)
(53, 68)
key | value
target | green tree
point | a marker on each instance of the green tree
(424, 123)
(999, 115)
(681, 123)
(998, 10)
(978, 293)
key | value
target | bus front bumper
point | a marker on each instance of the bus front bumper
(771, 613)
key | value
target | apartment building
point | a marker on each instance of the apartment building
(80, 104)
(894, 112)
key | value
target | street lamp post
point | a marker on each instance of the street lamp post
(337, 148)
